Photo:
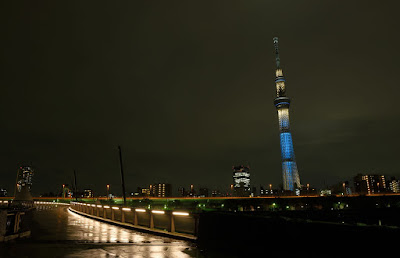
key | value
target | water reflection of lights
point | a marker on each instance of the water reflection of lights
(84, 229)
(78, 236)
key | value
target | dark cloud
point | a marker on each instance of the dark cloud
(187, 90)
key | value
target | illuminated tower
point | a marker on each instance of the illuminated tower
(291, 179)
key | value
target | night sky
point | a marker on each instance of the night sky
(187, 87)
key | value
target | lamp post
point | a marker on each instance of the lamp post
(344, 188)
(108, 192)
(122, 175)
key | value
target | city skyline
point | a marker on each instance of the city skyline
(187, 100)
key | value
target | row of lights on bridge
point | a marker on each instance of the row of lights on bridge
(178, 213)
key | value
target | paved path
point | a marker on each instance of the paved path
(58, 232)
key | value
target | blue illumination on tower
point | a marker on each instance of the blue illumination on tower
(291, 179)
(287, 146)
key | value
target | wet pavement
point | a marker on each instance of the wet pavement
(58, 232)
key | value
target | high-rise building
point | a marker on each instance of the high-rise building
(161, 190)
(144, 192)
(182, 191)
(291, 179)
(3, 192)
(241, 180)
(394, 185)
(88, 193)
(24, 177)
(370, 184)
(262, 191)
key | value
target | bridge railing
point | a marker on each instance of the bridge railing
(177, 223)
(50, 203)
(15, 223)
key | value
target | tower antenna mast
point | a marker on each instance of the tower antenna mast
(277, 58)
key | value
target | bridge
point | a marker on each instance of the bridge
(158, 226)
(58, 230)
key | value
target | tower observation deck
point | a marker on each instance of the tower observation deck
(291, 179)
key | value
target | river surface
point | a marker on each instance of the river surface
(58, 232)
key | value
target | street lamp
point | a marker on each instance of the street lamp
(108, 192)
(344, 188)
(270, 188)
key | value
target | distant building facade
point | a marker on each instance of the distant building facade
(325, 192)
(394, 185)
(144, 192)
(182, 192)
(161, 190)
(88, 193)
(216, 193)
(3, 192)
(241, 180)
(203, 192)
(370, 184)
(24, 177)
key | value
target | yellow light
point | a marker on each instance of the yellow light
(93, 205)
(140, 210)
(106, 207)
(126, 209)
(158, 212)
(180, 213)
(115, 208)
(99, 206)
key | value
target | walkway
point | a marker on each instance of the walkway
(58, 232)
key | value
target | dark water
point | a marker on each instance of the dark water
(58, 232)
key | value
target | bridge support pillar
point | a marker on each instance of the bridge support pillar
(171, 222)
(135, 218)
(151, 220)
(122, 216)
(196, 224)
(112, 214)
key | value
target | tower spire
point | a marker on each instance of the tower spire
(277, 58)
